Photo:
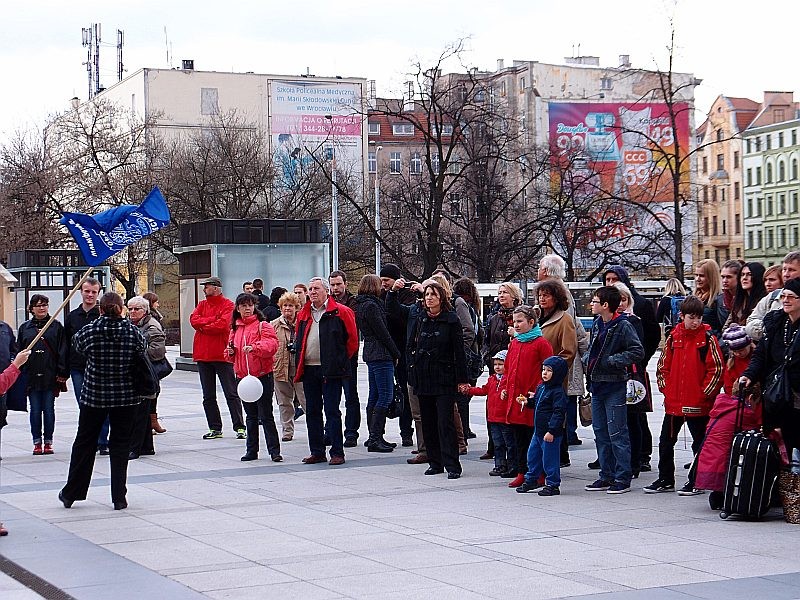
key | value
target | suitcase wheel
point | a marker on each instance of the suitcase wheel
(724, 515)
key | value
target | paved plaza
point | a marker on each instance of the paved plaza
(202, 524)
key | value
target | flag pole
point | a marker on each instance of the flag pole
(60, 308)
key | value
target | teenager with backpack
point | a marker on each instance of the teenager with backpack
(668, 311)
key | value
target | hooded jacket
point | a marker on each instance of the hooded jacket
(109, 345)
(496, 407)
(642, 308)
(523, 373)
(620, 349)
(550, 400)
(689, 383)
(211, 320)
(261, 336)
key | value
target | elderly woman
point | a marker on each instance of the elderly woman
(285, 366)
(152, 298)
(558, 328)
(110, 345)
(140, 315)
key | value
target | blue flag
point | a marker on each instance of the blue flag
(106, 233)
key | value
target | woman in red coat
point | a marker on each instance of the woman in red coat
(7, 379)
(252, 345)
(523, 372)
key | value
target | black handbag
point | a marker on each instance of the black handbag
(162, 368)
(395, 408)
(777, 391)
(474, 364)
(145, 380)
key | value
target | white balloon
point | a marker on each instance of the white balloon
(250, 389)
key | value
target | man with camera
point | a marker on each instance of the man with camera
(326, 341)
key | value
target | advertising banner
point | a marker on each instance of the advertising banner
(621, 152)
(315, 117)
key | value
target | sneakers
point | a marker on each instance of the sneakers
(619, 488)
(37, 449)
(598, 486)
(528, 487)
(550, 490)
(213, 435)
(659, 486)
(241, 434)
(298, 412)
(689, 490)
(104, 451)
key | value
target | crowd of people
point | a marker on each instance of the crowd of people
(425, 345)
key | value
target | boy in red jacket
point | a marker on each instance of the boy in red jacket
(689, 375)
(496, 408)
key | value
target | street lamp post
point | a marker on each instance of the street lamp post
(377, 214)
(334, 199)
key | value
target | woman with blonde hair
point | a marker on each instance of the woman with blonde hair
(707, 287)
(285, 365)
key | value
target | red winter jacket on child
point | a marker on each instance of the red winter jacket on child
(496, 408)
(523, 372)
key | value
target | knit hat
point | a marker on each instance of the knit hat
(736, 337)
(391, 270)
(793, 285)
(500, 355)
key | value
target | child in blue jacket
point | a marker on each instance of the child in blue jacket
(550, 403)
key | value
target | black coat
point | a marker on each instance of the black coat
(771, 351)
(371, 321)
(434, 350)
(75, 321)
(49, 356)
(496, 338)
(397, 321)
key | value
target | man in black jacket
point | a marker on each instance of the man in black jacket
(352, 405)
(87, 312)
(258, 292)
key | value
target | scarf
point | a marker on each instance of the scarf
(529, 336)
(507, 314)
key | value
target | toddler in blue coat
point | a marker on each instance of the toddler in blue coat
(550, 404)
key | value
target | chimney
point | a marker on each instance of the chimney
(187, 65)
(624, 61)
(408, 101)
(75, 102)
(500, 64)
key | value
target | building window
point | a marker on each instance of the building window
(720, 162)
(758, 239)
(705, 193)
(750, 240)
(447, 129)
(781, 237)
(402, 129)
(758, 175)
(735, 160)
(606, 83)
(781, 171)
(719, 135)
(793, 206)
(770, 206)
(749, 177)
(736, 190)
(209, 101)
(781, 204)
(780, 139)
(714, 228)
(713, 193)
(435, 164)
(705, 165)
(455, 204)
(759, 206)
(374, 128)
(769, 237)
(415, 166)
(502, 89)
(749, 209)
(480, 95)
(372, 162)
(794, 169)
(521, 84)
(778, 115)
(737, 225)
(707, 254)
(794, 232)
(794, 137)
(768, 141)
(705, 226)
(769, 174)
(749, 146)
(724, 227)
(395, 164)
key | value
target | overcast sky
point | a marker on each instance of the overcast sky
(737, 48)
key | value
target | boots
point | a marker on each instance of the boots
(157, 428)
(370, 412)
(377, 423)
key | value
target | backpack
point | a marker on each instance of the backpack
(675, 309)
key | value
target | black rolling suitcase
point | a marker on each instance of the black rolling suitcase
(752, 473)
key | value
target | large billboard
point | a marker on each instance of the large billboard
(622, 155)
(321, 118)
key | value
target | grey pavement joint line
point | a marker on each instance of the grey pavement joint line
(33, 582)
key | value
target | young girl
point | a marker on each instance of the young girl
(712, 461)
(251, 348)
(523, 372)
(496, 408)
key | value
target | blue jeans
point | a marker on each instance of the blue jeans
(544, 456)
(323, 394)
(381, 384)
(505, 449)
(77, 385)
(42, 403)
(610, 425)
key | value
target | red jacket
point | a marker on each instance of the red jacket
(338, 339)
(523, 372)
(689, 385)
(261, 336)
(732, 373)
(212, 323)
(8, 377)
(496, 408)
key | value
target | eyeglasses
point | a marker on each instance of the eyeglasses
(40, 305)
(135, 308)
(594, 302)
(789, 296)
